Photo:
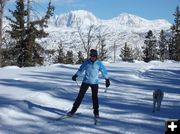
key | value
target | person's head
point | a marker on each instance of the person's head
(93, 54)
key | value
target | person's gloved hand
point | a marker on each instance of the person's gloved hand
(107, 83)
(74, 77)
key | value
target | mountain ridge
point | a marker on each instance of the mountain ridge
(83, 17)
(125, 28)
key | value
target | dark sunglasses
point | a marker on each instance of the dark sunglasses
(93, 55)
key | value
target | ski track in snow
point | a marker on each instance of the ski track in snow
(31, 97)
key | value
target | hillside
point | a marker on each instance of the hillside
(118, 30)
(63, 29)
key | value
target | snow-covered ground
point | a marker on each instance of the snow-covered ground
(31, 97)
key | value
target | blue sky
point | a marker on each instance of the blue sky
(107, 9)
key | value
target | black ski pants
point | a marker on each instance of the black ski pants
(84, 87)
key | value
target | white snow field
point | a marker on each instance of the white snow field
(31, 98)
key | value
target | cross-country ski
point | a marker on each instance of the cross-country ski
(95, 121)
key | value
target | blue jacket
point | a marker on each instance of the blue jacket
(92, 71)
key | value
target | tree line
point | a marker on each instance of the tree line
(162, 48)
(23, 50)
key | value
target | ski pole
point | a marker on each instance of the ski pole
(77, 84)
(106, 90)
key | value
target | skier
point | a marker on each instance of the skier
(91, 67)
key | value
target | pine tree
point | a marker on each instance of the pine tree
(150, 48)
(137, 54)
(49, 57)
(8, 56)
(61, 55)
(126, 53)
(171, 48)
(18, 31)
(162, 46)
(176, 33)
(80, 58)
(69, 57)
(26, 50)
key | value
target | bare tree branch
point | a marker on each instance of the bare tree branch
(87, 38)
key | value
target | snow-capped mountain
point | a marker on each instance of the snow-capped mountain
(74, 18)
(85, 18)
(126, 27)
(136, 21)
(118, 30)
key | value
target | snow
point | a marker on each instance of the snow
(77, 17)
(31, 97)
(86, 18)
(124, 28)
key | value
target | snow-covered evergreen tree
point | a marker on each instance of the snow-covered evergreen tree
(163, 46)
(171, 48)
(80, 58)
(126, 53)
(69, 57)
(150, 47)
(176, 33)
(25, 32)
(60, 56)
(137, 54)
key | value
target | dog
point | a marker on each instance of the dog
(157, 99)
